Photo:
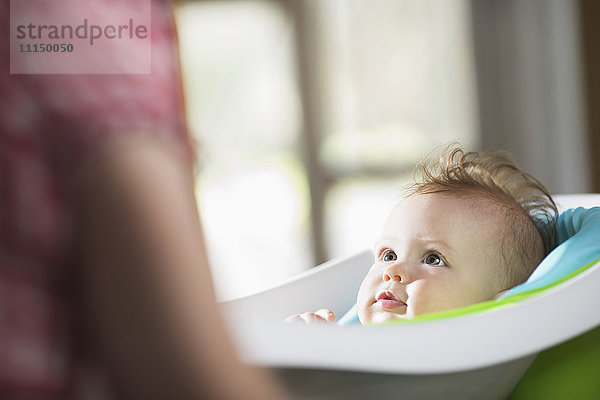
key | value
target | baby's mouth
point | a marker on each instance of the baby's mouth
(387, 300)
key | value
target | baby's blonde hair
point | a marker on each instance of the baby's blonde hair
(529, 233)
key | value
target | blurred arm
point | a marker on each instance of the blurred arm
(147, 285)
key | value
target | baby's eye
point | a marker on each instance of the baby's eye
(389, 255)
(434, 259)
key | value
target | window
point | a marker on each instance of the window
(310, 117)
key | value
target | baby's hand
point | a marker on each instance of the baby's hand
(318, 317)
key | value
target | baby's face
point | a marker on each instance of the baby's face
(436, 252)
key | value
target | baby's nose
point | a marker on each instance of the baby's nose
(388, 276)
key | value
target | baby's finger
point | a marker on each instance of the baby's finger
(326, 314)
(312, 318)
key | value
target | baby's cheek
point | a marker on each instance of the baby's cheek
(361, 304)
(436, 296)
(364, 302)
(363, 317)
(364, 313)
(425, 297)
(366, 290)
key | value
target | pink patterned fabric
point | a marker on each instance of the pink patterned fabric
(49, 125)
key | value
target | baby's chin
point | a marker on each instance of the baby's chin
(382, 316)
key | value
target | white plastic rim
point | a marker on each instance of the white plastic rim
(453, 344)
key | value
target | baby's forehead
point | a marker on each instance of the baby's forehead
(444, 216)
(470, 228)
(451, 202)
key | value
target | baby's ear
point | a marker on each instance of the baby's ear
(500, 293)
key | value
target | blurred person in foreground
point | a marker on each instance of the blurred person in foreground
(105, 289)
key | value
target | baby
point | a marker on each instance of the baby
(471, 227)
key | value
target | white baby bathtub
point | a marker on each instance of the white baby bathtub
(474, 356)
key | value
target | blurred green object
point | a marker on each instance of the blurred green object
(570, 370)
